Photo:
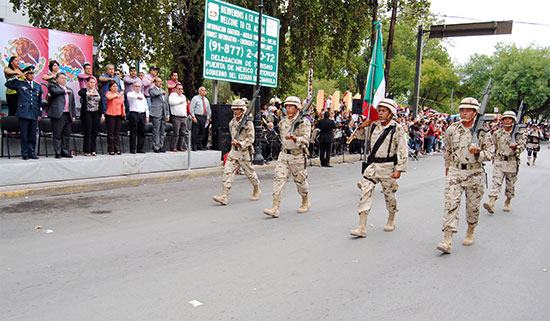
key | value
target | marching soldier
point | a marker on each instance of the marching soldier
(240, 154)
(292, 158)
(506, 161)
(534, 136)
(464, 172)
(387, 160)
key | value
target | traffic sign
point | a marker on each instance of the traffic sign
(231, 44)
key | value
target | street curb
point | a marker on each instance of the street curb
(108, 183)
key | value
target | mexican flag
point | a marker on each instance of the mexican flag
(375, 89)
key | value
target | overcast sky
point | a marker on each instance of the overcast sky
(533, 11)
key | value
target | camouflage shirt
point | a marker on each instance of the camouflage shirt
(458, 142)
(302, 133)
(246, 138)
(393, 145)
(502, 140)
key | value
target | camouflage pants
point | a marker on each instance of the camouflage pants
(389, 188)
(498, 178)
(459, 181)
(233, 162)
(286, 165)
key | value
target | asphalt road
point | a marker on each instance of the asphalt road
(143, 253)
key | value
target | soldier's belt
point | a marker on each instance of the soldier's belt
(467, 166)
(294, 152)
(505, 158)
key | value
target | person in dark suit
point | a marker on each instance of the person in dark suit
(326, 137)
(159, 114)
(29, 96)
(62, 112)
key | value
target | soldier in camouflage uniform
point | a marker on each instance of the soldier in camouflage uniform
(506, 161)
(240, 154)
(465, 173)
(292, 158)
(534, 136)
(385, 165)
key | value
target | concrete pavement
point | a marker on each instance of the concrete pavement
(143, 253)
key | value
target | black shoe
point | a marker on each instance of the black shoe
(33, 157)
(156, 151)
(25, 158)
(162, 151)
(57, 156)
(67, 156)
(132, 152)
(141, 152)
(327, 165)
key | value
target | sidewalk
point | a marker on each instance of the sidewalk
(107, 183)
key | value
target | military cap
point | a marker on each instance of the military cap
(238, 104)
(469, 102)
(390, 104)
(293, 100)
(28, 69)
(509, 114)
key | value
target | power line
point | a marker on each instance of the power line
(474, 19)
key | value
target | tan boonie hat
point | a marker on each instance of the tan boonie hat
(293, 100)
(469, 102)
(390, 104)
(510, 114)
(238, 104)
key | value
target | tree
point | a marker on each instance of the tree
(520, 73)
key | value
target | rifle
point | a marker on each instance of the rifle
(517, 125)
(304, 112)
(242, 124)
(478, 122)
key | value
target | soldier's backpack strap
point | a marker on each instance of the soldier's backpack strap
(379, 142)
(391, 140)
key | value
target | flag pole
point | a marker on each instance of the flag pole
(371, 93)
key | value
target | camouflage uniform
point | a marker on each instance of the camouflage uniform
(391, 156)
(506, 162)
(381, 173)
(240, 155)
(534, 136)
(465, 174)
(292, 158)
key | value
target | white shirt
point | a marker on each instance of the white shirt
(178, 104)
(138, 105)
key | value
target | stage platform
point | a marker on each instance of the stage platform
(16, 171)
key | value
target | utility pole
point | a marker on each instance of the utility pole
(390, 40)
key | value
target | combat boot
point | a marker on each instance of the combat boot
(528, 160)
(390, 226)
(361, 230)
(445, 246)
(256, 193)
(507, 204)
(222, 199)
(305, 205)
(490, 206)
(469, 240)
(274, 211)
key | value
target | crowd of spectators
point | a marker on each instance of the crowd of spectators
(140, 103)
(136, 103)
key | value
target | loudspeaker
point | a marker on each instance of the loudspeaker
(221, 116)
(357, 106)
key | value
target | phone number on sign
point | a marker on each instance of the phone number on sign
(238, 51)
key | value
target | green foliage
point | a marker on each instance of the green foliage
(519, 73)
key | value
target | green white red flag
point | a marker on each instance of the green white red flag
(375, 89)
